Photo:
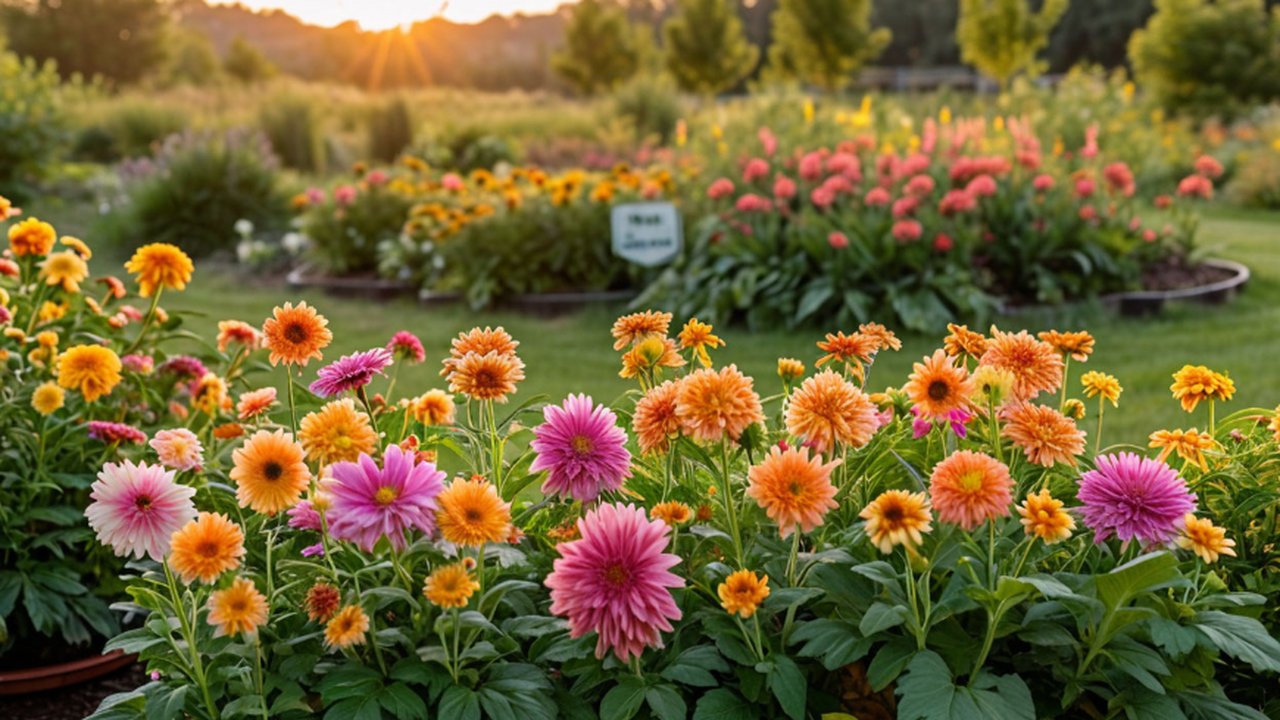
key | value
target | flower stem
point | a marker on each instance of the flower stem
(364, 399)
(146, 324)
(188, 633)
(729, 506)
(293, 407)
(1097, 441)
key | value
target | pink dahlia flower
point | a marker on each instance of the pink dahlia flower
(178, 449)
(1134, 497)
(582, 448)
(136, 508)
(109, 432)
(615, 581)
(406, 346)
(722, 187)
(350, 372)
(371, 502)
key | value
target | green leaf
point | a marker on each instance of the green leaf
(624, 699)
(1174, 639)
(889, 662)
(835, 642)
(245, 705)
(1240, 637)
(1145, 574)
(929, 693)
(724, 704)
(695, 665)
(364, 707)
(402, 702)
(1203, 706)
(166, 705)
(459, 702)
(881, 616)
(666, 703)
(787, 684)
(927, 689)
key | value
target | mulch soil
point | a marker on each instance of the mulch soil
(71, 703)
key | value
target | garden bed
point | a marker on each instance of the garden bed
(366, 285)
(74, 701)
(1212, 282)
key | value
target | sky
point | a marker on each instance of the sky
(385, 14)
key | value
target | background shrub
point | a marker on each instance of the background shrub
(649, 103)
(467, 148)
(292, 125)
(192, 192)
(390, 130)
(32, 123)
(129, 128)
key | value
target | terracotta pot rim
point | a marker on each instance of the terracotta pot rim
(51, 677)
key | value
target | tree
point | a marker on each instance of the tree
(246, 62)
(1209, 57)
(824, 42)
(1002, 37)
(121, 40)
(706, 49)
(601, 48)
(192, 59)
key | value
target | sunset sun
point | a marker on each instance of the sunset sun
(387, 14)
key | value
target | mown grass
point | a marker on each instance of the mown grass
(574, 353)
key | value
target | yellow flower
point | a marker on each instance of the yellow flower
(434, 407)
(238, 609)
(93, 369)
(742, 593)
(1189, 444)
(1043, 517)
(697, 335)
(78, 245)
(1205, 539)
(673, 513)
(160, 265)
(1096, 383)
(31, 237)
(790, 368)
(1194, 384)
(66, 269)
(897, 517)
(50, 311)
(450, 587)
(48, 398)
(347, 628)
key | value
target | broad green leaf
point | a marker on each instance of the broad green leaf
(624, 699)
(725, 704)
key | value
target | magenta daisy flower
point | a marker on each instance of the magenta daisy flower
(582, 448)
(370, 503)
(136, 508)
(615, 579)
(350, 372)
(306, 515)
(109, 432)
(406, 346)
(1134, 497)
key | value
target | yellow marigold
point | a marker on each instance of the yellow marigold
(1035, 365)
(995, 385)
(238, 609)
(630, 329)
(1096, 383)
(270, 472)
(1274, 425)
(827, 409)
(1043, 517)
(50, 311)
(963, 341)
(209, 394)
(884, 337)
(206, 547)
(1194, 384)
(1073, 409)
(1189, 444)
(472, 514)
(434, 407)
(715, 405)
(31, 237)
(897, 517)
(92, 369)
(1076, 345)
(486, 377)
(652, 352)
(1044, 434)
(1205, 539)
(938, 386)
(240, 333)
(743, 592)
(78, 245)
(295, 336)
(794, 489)
(450, 587)
(160, 265)
(790, 368)
(655, 420)
(336, 433)
(47, 398)
(673, 513)
(697, 335)
(480, 342)
(347, 627)
(65, 269)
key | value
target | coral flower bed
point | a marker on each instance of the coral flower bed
(961, 542)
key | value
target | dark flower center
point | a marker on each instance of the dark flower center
(272, 470)
(143, 503)
(939, 390)
(295, 333)
(893, 514)
(208, 549)
(474, 515)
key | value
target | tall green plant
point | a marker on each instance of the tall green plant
(601, 48)
(1002, 37)
(390, 130)
(32, 121)
(706, 49)
(292, 125)
(824, 43)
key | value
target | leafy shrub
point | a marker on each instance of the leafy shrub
(651, 106)
(1256, 182)
(129, 128)
(346, 229)
(292, 124)
(390, 130)
(1209, 57)
(195, 188)
(467, 148)
(32, 122)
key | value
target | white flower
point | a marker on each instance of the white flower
(244, 227)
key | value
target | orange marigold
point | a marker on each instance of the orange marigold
(1189, 444)
(239, 332)
(655, 420)
(1043, 517)
(1044, 434)
(963, 341)
(481, 342)
(472, 514)
(969, 488)
(827, 409)
(673, 513)
(1191, 385)
(742, 592)
(206, 547)
(854, 349)
(630, 329)
(160, 265)
(1205, 539)
(270, 472)
(31, 237)
(715, 405)
(1035, 365)
(1076, 345)
(486, 377)
(793, 488)
(897, 517)
(337, 432)
(884, 337)
(697, 335)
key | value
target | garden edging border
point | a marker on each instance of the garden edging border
(1151, 302)
(305, 276)
(52, 677)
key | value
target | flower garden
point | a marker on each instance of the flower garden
(827, 541)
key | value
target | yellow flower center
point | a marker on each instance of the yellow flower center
(617, 575)
(386, 495)
(582, 444)
(971, 481)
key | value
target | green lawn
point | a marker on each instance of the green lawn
(574, 353)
